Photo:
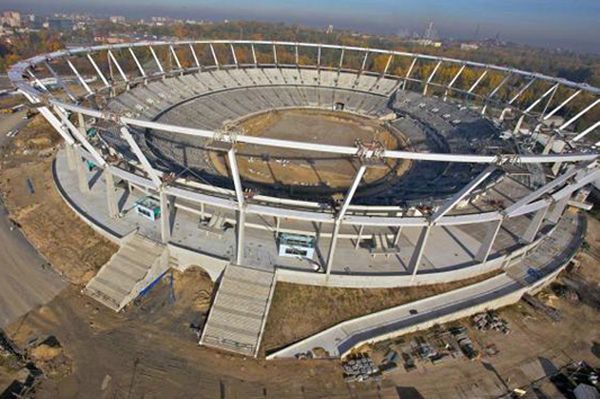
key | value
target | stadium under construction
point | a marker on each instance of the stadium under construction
(266, 161)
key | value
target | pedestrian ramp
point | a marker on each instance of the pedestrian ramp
(137, 264)
(239, 312)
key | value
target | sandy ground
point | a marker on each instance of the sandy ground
(289, 167)
(68, 243)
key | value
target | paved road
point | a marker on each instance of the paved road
(25, 283)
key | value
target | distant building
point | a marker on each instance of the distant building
(11, 18)
(329, 30)
(110, 39)
(60, 24)
(469, 46)
(117, 19)
(428, 42)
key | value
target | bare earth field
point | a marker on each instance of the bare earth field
(70, 245)
(291, 167)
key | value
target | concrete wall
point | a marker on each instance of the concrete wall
(187, 258)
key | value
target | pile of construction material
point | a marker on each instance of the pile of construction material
(360, 368)
(465, 343)
(490, 321)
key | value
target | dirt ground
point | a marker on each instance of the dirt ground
(299, 311)
(535, 348)
(291, 167)
(150, 351)
(70, 245)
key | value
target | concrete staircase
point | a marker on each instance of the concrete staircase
(237, 317)
(138, 263)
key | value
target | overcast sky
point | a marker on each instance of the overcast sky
(572, 24)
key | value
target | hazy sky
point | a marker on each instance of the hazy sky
(573, 24)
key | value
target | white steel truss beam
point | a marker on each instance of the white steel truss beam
(408, 72)
(98, 71)
(392, 154)
(319, 57)
(152, 174)
(61, 82)
(520, 92)
(80, 135)
(114, 60)
(79, 78)
(341, 63)
(586, 131)
(454, 79)
(156, 60)
(194, 55)
(561, 105)
(235, 59)
(554, 184)
(387, 64)
(175, 57)
(579, 115)
(430, 78)
(214, 55)
(340, 216)
(254, 59)
(137, 62)
(479, 79)
(296, 55)
(54, 122)
(536, 102)
(488, 241)
(460, 195)
(364, 62)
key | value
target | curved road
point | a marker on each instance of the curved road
(25, 280)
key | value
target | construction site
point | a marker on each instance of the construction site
(268, 230)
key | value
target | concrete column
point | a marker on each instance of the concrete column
(82, 177)
(415, 260)
(417, 255)
(488, 241)
(338, 220)
(241, 213)
(165, 218)
(534, 225)
(359, 236)
(334, 237)
(557, 209)
(82, 126)
(71, 156)
(241, 221)
(518, 125)
(397, 237)
(111, 197)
